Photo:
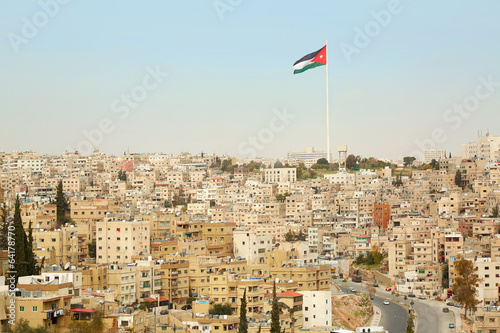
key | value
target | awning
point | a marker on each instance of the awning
(83, 310)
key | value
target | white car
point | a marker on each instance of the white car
(386, 302)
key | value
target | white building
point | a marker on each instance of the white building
(486, 147)
(251, 245)
(308, 154)
(279, 175)
(317, 309)
(119, 240)
(434, 154)
(342, 178)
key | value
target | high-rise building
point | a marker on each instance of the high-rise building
(486, 147)
(308, 154)
(381, 214)
(434, 154)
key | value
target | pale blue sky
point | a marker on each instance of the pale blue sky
(229, 70)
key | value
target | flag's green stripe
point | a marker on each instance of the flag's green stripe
(312, 65)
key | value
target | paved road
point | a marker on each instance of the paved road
(394, 316)
(431, 317)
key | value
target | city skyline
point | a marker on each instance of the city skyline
(208, 78)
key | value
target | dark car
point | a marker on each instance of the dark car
(450, 303)
(164, 312)
(375, 285)
(187, 307)
(446, 310)
(411, 295)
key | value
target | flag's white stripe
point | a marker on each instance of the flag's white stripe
(302, 64)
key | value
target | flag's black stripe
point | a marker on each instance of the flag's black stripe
(308, 57)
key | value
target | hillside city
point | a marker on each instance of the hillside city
(149, 242)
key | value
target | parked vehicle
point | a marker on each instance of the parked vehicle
(411, 295)
(446, 310)
(187, 307)
(450, 303)
(452, 325)
(386, 302)
(421, 297)
(375, 285)
(388, 289)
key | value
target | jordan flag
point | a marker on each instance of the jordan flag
(309, 61)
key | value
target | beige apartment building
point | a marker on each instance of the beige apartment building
(58, 247)
(118, 240)
(280, 175)
(122, 281)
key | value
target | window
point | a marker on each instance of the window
(21, 309)
(35, 309)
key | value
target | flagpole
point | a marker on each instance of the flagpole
(327, 110)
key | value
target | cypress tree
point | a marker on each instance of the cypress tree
(20, 247)
(4, 229)
(243, 327)
(30, 255)
(61, 202)
(275, 314)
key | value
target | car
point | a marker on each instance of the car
(388, 289)
(187, 307)
(446, 310)
(421, 297)
(375, 285)
(164, 312)
(371, 298)
(457, 305)
(386, 302)
(411, 295)
(450, 303)
(353, 290)
(452, 325)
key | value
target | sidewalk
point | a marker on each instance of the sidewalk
(377, 316)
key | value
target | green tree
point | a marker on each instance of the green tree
(4, 229)
(93, 326)
(408, 160)
(464, 287)
(350, 161)
(301, 236)
(20, 247)
(92, 249)
(23, 327)
(243, 326)
(494, 212)
(32, 266)
(220, 309)
(458, 178)
(275, 314)
(122, 175)
(410, 325)
(289, 236)
(445, 281)
(281, 197)
(322, 161)
(212, 203)
(61, 203)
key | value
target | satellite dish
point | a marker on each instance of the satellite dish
(66, 266)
